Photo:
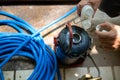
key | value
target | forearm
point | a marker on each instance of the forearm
(115, 20)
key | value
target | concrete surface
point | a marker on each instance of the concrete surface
(39, 16)
(107, 73)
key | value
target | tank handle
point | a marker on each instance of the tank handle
(68, 25)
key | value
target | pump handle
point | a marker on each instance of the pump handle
(68, 25)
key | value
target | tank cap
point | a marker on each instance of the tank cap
(76, 38)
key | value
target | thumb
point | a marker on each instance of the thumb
(102, 34)
(106, 26)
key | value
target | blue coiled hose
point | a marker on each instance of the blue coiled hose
(30, 45)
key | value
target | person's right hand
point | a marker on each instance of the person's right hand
(109, 40)
(94, 3)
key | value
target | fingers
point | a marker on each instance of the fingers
(106, 47)
(95, 4)
(109, 45)
(105, 26)
(106, 43)
(109, 40)
(80, 6)
(102, 34)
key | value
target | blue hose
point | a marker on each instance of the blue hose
(30, 45)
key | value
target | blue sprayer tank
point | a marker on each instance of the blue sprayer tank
(72, 44)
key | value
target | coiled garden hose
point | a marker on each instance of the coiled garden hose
(23, 44)
(30, 45)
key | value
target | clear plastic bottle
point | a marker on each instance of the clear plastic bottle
(86, 15)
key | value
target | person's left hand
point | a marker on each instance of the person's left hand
(109, 40)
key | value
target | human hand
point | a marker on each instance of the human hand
(94, 3)
(109, 40)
